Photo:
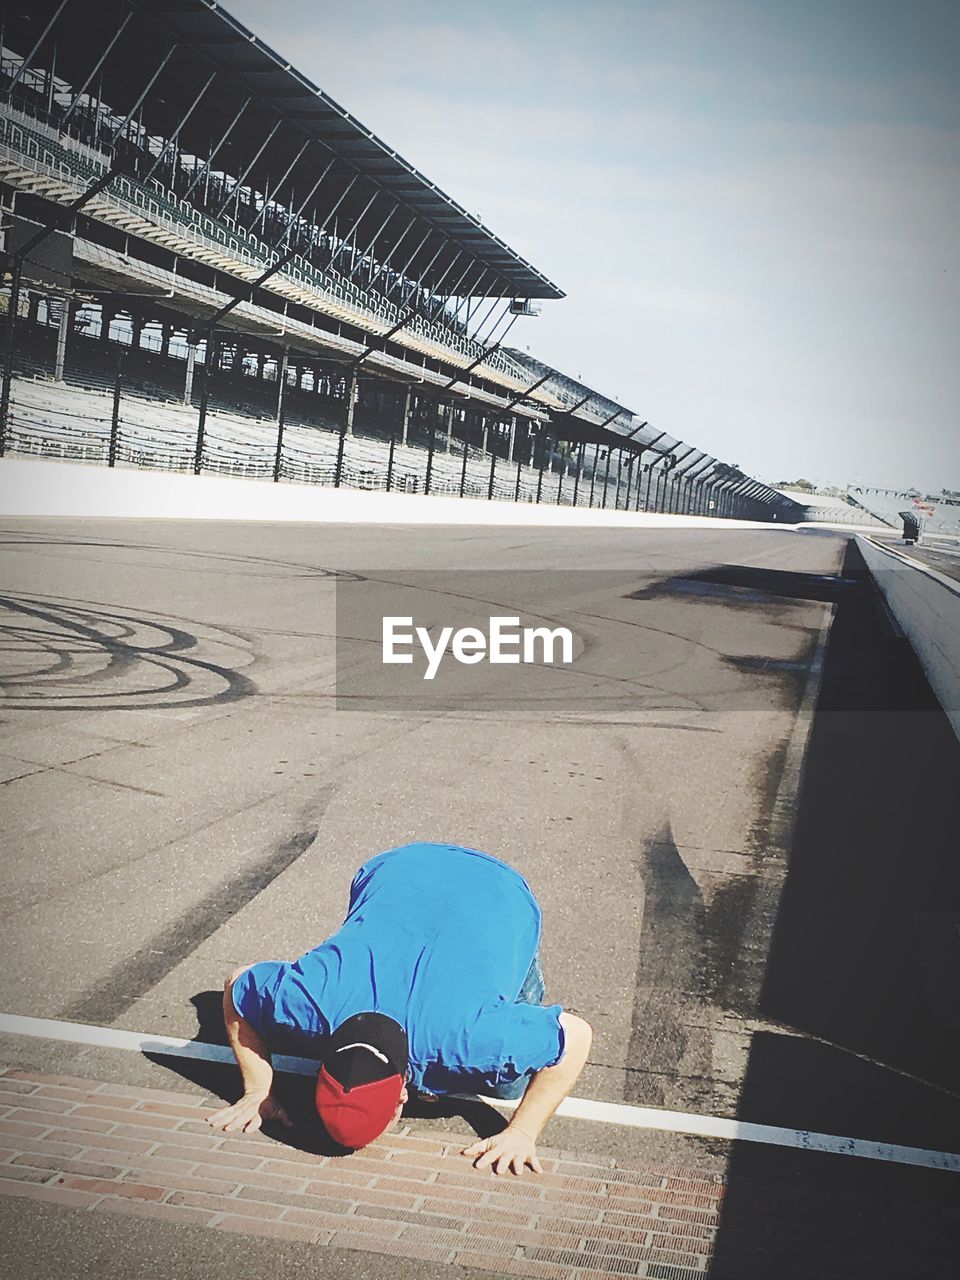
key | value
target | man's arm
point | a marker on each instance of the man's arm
(256, 1070)
(516, 1146)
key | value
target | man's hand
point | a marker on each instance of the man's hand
(507, 1152)
(247, 1115)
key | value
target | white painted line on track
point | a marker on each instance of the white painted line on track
(617, 1113)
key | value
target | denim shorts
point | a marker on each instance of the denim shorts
(532, 992)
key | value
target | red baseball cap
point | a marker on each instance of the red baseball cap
(359, 1084)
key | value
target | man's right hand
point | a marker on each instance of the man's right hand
(247, 1115)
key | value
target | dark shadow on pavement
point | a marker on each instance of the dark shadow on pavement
(863, 966)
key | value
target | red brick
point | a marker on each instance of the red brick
(640, 1253)
(23, 1173)
(277, 1230)
(632, 1221)
(116, 1115)
(677, 1213)
(486, 1217)
(396, 1248)
(46, 1147)
(557, 1211)
(59, 1164)
(480, 1232)
(272, 1180)
(49, 1194)
(117, 1142)
(209, 1161)
(337, 1222)
(10, 1087)
(72, 1121)
(6, 1155)
(291, 1200)
(338, 1179)
(222, 1204)
(435, 1146)
(21, 1128)
(185, 1182)
(686, 1230)
(633, 1235)
(419, 1160)
(156, 1167)
(135, 1190)
(409, 1215)
(247, 1144)
(147, 1095)
(195, 1141)
(176, 1110)
(371, 1195)
(153, 1209)
(60, 1093)
(283, 1154)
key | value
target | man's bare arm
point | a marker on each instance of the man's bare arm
(516, 1146)
(256, 1070)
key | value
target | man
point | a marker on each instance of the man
(433, 982)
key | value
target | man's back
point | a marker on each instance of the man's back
(439, 938)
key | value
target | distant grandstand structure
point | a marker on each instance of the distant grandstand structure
(937, 516)
(210, 265)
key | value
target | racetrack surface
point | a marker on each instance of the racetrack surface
(181, 794)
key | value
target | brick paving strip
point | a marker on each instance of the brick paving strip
(116, 1149)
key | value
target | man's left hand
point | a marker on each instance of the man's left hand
(508, 1152)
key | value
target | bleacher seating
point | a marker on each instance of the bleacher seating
(939, 518)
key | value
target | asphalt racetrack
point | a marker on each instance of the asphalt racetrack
(738, 811)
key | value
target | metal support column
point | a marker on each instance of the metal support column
(281, 398)
(463, 469)
(493, 471)
(62, 331)
(393, 448)
(606, 481)
(579, 471)
(346, 425)
(406, 416)
(115, 414)
(191, 363)
(210, 355)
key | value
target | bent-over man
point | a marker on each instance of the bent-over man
(431, 985)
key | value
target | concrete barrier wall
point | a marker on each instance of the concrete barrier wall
(29, 487)
(926, 605)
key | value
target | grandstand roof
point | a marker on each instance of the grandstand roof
(207, 38)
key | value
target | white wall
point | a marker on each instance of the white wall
(926, 605)
(29, 487)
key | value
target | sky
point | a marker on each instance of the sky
(753, 207)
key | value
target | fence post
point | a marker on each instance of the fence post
(463, 469)
(393, 445)
(115, 417)
(493, 471)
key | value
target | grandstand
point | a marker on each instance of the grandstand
(822, 508)
(937, 517)
(211, 265)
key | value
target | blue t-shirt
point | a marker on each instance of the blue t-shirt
(439, 938)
